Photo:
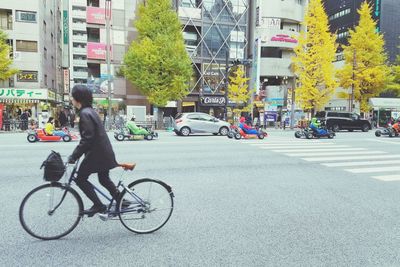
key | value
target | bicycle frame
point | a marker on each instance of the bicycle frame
(72, 178)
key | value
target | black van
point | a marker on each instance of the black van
(337, 121)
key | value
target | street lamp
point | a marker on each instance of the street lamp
(108, 57)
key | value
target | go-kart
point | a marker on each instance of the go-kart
(40, 135)
(124, 133)
(302, 133)
(238, 133)
(391, 131)
(323, 132)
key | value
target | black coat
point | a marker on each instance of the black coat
(94, 143)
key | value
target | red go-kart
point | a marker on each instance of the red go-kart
(238, 133)
(40, 135)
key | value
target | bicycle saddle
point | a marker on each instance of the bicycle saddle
(127, 166)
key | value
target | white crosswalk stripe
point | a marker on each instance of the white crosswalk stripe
(387, 178)
(375, 169)
(357, 160)
(329, 153)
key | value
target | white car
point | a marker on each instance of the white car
(197, 122)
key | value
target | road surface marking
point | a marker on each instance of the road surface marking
(328, 153)
(387, 178)
(374, 169)
(361, 163)
(319, 149)
(322, 159)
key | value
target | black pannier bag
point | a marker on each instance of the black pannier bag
(54, 167)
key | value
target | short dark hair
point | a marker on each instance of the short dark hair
(83, 95)
(50, 120)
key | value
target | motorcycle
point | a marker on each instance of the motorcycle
(36, 135)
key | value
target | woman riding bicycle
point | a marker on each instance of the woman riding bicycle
(94, 143)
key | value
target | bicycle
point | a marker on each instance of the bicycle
(53, 210)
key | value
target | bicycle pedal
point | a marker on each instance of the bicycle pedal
(104, 216)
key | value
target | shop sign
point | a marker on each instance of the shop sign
(96, 50)
(66, 81)
(51, 95)
(23, 93)
(212, 100)
(27, 76)
(270, 116)
(283, 38)
(95, 15)
(1, 115)
(274, 101)
(65, 27)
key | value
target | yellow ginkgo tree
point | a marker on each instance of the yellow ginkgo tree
(238, 91)
(312, 64)
(365, 71)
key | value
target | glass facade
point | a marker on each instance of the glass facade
(213, 30)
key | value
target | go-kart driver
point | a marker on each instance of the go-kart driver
(246, 128)
(315, 125)
(134, 129)
(49, 128)
(396, 126)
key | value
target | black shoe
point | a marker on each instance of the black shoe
(95, 209)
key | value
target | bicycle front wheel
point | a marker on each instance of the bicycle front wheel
(146, 206)
(50, 211)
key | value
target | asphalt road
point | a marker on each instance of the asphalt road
(277, 202)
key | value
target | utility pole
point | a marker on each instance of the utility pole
(352, 84)
(108, 58)
(293, 103)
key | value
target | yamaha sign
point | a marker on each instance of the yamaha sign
(212, 101)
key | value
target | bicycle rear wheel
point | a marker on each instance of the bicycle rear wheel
(50, 211)
(146, 206)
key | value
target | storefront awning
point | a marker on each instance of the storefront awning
(393, 103)
(188, 104)
(13, 100)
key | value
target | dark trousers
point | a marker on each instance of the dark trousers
(88, 189)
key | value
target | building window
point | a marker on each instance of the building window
(44, 26)
(25, 16)
(343, 35)
(340, 14)
(52, 84)
(45, 53)
(45, 80)
(52, 38)
(52, 61)
(6, 19)
(26, 46)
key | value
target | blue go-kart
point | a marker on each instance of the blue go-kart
(315, 132)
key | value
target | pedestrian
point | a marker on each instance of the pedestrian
(95, 145)
(284, 121)
(24, 120)
(278, 121)
(72, 118)
(62, 119)
(104, 117)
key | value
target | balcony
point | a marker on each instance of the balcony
(275, 67)
(79, 63)
(80, 3)
(80, 38)
(79, 27)
(80, 75)
(79, 50)
(79, 14)
(192, 50)
(278, 38)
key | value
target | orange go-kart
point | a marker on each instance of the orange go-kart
(40, 135)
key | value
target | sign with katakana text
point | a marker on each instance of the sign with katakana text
(41, 94)
(27, 76)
